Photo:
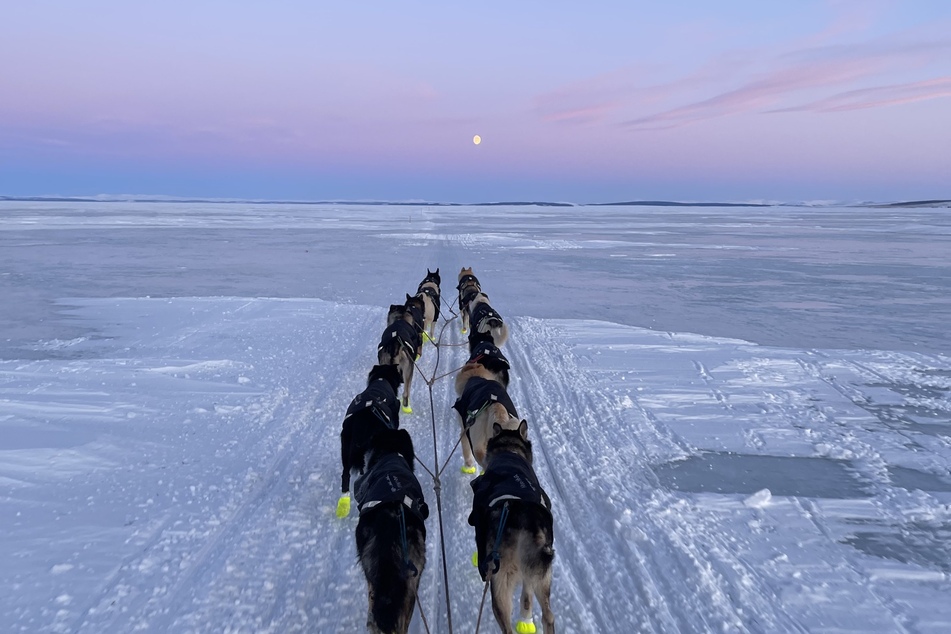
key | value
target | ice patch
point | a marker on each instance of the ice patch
(759, 499)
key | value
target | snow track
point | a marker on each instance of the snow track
(206, 501)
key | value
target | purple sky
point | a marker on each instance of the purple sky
(698, 100)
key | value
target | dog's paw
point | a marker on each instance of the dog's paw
(467, 469)
(426, 337)
(525, 627)
(343, 505)
(406, 409)
(464, 331)
(475, 559)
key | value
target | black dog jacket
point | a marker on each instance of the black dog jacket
(407, 334)
(390, 480)
(509, 477)
(488, 349)
(481, 314)
(380, 398)
(478, 394)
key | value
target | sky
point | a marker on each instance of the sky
(693, 100)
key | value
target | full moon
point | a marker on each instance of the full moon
(477, 139)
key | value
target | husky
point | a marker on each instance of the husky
(484, 352)
(514, 530)
(485, 320)
(391, 531)
(374, 409)
(428, 291)
(482, 403)
(401, 343)
(468, 287)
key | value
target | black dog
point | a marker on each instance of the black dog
(374, 409)
(391, 532)
(513, 523)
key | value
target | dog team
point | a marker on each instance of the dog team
(511, 513)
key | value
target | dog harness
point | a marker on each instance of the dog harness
(379, 398)
(486, 348)
(390, 480)
(509, 477)
(478, 394)
(482, 314)
(433, 295)
(466, 280)
(404, 332)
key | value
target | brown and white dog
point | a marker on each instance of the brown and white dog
(468, 287)
(514, 530)
(401, 343)
(483, 402)
(428, 291)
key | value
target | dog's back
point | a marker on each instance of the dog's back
(514, 528)
(486, 320)
(391, 505)
(484, 352)
(374, 409)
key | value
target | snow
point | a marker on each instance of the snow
(750, 434)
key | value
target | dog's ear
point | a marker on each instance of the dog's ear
(522, 429)
(408, 298)
(496, 429)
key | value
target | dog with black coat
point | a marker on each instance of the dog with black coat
(483, 402)
(468, 288)
(485, 320)
(391, 531)
(514, 530)
(401, 343)
(374, 409)
(483, 351)
(428, 291)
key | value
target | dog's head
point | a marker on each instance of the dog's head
(387, 441)
(432, 276)
(511, 440)
(465, 272)
(395, 312)
(389, 373)
(415, 307)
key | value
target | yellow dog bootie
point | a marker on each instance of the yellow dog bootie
(525, 627)
(343, 505)
(467, 469)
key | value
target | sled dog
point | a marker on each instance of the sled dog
(485, 320)
(482, 403)
(468, 287)
(428, 291)
(372, 410)
(488, 355)
(391, 531)
(514, 530)
(401, 342)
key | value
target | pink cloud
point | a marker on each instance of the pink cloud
(813, 69)
(879, 96)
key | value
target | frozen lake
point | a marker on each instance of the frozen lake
(798, 277)
(742, 415)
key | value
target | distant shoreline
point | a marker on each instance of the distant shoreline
(516, 203)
